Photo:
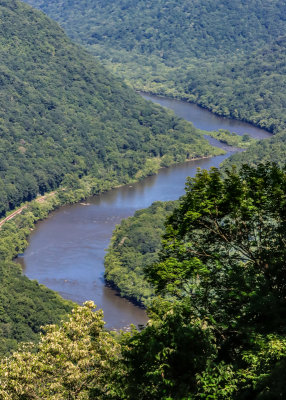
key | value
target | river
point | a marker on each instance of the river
(66, 251)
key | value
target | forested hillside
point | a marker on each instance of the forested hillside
(249, 88)
(135, 244)
(270, 150)
(63, 115)
(216, 281)
(65, 120)
(176, 28)
(25, 307)
(226, 56)
(217, 323)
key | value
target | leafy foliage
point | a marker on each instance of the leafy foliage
(223, 263)
(135, 244)
(73, 361)
(63, 116)
(162, 361)
(226, 56)
(225, 246)
(25, 306)
(216, 328)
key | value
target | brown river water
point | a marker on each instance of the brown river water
(66, 251)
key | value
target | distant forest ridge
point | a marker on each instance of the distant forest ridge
(64, 117)
(226, 56)
(65, 123)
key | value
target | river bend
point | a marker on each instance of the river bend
(66, 251)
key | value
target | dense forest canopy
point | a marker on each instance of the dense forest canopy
(171, 27)
(216, 282)
(228, 56)
(222, 264)
(216, 328)
(270, 150)
(134, 245)
(63, 115)
(65, 120)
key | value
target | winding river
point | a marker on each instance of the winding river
(66, 251)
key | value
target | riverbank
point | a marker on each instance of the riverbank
(189, 100)
(69, 245)
(75, 199)
(26, 216)
(89, 186)
(17, 227)
(40, 199)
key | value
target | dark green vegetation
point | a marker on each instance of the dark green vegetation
(65, 121)
(228, 56)
(250, 87)
(223, 262)
(217, 325)
(63, 116)
(25, 306)
(224, 259)
(172, 27)
(135, 244)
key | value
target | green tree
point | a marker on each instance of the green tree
(222, 268)
(225, 247)
(75, 360)
(163, 360)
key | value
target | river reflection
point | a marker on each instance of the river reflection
(66, 251)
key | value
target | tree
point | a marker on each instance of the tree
(163, 360)
(73, 361)
(225, 248)
(222, 274)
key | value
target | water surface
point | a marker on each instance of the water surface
(206, 120)
(66, 251)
